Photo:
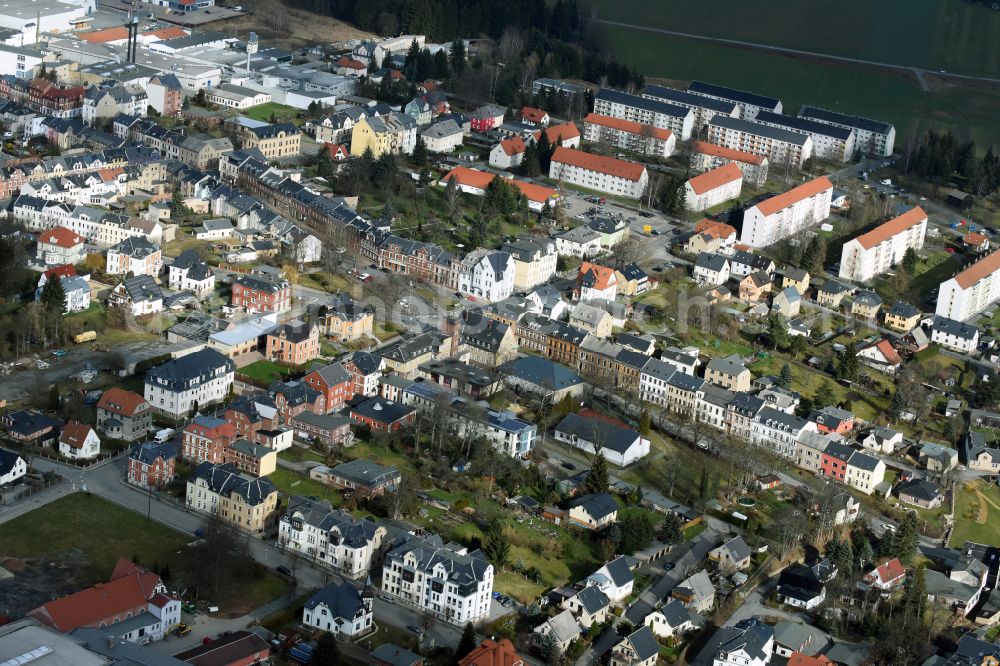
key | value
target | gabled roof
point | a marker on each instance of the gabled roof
(599, 432)
(794, 195)
(897, 225)
(493, 653)
(592, 599)
(75, 434)
(597, 505)
(979, 270)
(60, 237)
(643, 643)
(594, 276)
(715, 178)
(124, 403)
(606, 165)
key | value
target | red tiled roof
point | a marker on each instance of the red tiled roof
(107, 35)
(532, 114)
(629, 126)
(974, 238)
(513, 145)
(888, 352)
(979, 270)
(799, 659)
(336, 149)
(347, 61)
(712, 149)
(890, 570)
(65, 270)
(602, 274)
(74, 434)
(714, 229)
(897, 225)
(61, 237)
(606, 165)
(481, 180)
(559, 133)
(493, 653)
(110, 173)
(710, 180)
(794, 195)
(119, 401)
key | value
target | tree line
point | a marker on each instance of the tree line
(940, 157)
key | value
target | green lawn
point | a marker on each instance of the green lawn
(936, 34)
(293, 483)
(265, 371)
(282, 113)
(101, 530)
(362, 449)
(94, 318)
(893, 96)
(517, 586)
(299, 454)
(977, 515)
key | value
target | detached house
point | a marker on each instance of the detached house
(487, 274)
(245, 503)
(711, 269)
(123, 414)
(152, 465)
(139, 294)
(340, 609)
(134, 256)
(594, 511)
(637, 649)
(615, 579)
(620, 446)
(59, 246)
(885, 577)
(733, 554)
(189, 272)
(594, 281)
(78, 441)
(748, 643)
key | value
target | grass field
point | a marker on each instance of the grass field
(977, 514)
(266, 371)
(293, 483)
(877, 93)
(933, 34)
(101, 530)
(282, 113)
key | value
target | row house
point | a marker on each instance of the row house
(852, 468)
(778, 431)
(418, 260)
(43, 96)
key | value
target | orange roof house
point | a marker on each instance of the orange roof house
(493, 653)
(799, 659)
(532, 115)
(714, 229)
(119, 401)
(715, 178)
(60, 237)
(975, 239)
(595, 281)
(65, 270)
(480, 180)
(606, 165)
(513, 145)
(75, 434)
(559, 135)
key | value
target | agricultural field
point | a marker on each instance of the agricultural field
(894, 96)
(932, 34)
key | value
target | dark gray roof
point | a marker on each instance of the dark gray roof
(225, 479)
(919, 489)
(685, 382)
(807, 125)
(393, 655)
(711, 261)
(903, 309)
(750, 636)
(598, 505)
(342, 600)
(867, 298)
(643, 103)
(683, 97)
(541, 372)
(142, 288)
(619, 571)
(858, 122)
(366, 472)
(382, 410)
(732, 94)
(599, 432)
(759, 129)
(148, 452)
(863, 461)
(7, 461)
(675, 613)
(190, 370)
(730, 365)
(954, 327)
(592, 599)
(464, 570)
(643, 642)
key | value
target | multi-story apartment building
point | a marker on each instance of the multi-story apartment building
(392, 133)
(246, 503)
(151, 465)
(878, 250)
(781, 147)
(487, 275)
(274, 141)
(786, 214)
(535, 260)
(705, 108)
(59, 246)
(604, 174)
(705, 156)
(971, 291)
(123, 415)
(713, 187)
(829, 142)
(262, 292)
(778, 431)
(195, 380)
(629, 135)
(205, 438)
(872, 137)
(334, 538)
(750, 104)
(443, 580)
(662, 115)
(134, 256)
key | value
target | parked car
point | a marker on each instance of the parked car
(284, 571)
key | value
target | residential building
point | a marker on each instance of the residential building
(902, 317)
(937, 458)
(334, 538)
(618, 445)
(954, 335)
(705, 108)
(134, 256)
(566, 135)
(786, 214)
(593, 512)
(444, 580)
(779, 146)
(795, 278)
(59, 246)
(747, 643)
(13, 468)
(878, 250)
(508, 153)
(534, 258)
(487, 117)
(750, 104)
(365, 477)
(76, 289)
(237, 647)
(696, 592)
(872, 137)
(744, 262)
(133, 605)
(390, 654)
(799, 587)
(493, 653)
(262, 292)
(755, 287)
(885, 577)
(442, 137)
(632, 280)
(662, 115)
(580, 241)
(920, 492)
(594, 282)
(246, 503)
(672, 619)
(880, 355)
(392, 133)
(181, 385)
(591, 319)
(78, 441)
(340, 609)
(714, 187)
(123, 415)
(337, 384)
(31, 428)
(139, 294)
(971, 291)
(382, 415)
(639, 648)
(294, 343)
(274, 141)
(831, 143)
(604, 174)
(152, 465)
(732, 555)
(729, 373)
(866, 304)
(615, 579)
(487, 275)
(344, 320)
(558, 632)
(588, 606)
(881, 439)
(629, 135)
(206, 438)
(189, 272)
(706, 156)
(711, 269)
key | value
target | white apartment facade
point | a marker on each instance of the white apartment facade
(786, 214)
(203, 377)
(829, 142)
(604, 174)
(705, 108)
(713, 187)
(535, 260)
(780, 146)
(971, 291)
(330, 537)
(629, 135)
(677, 119)
(872, 137)
(875, 252)
(487, 275)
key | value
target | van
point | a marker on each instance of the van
(86, 336)
(163, 435)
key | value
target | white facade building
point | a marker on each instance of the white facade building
(872, 137)
(629, 135)
(604, 174)
(203, 377)
(678, 119)
(487, 275)
(971, 291)
(875, 252)
(713, 187)
(829, 142)
(787, 214)
(780, 146)
(330, 537)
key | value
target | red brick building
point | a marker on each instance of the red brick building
(295, 397)
(262, 293)
(334, 382)
(383, 415)
(152, 465)
(240, 648)
(293, 344)
(206, 438)
(251, 414)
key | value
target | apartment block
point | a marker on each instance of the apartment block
(971, 291)
(830, 142)
(781, 147)
(705, 108)
(872, 137)
(604, 174)
(786, 214)
(878, 250)
(677, 119)
(629, 135)
(750, 104)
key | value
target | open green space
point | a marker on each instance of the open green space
(102, 531)
(267, 371)
(893, 96)
(297, 453)
(282, 113)
(362, 449)
(294, 483)
(933, 34)
(977, 513)
(94, 318)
